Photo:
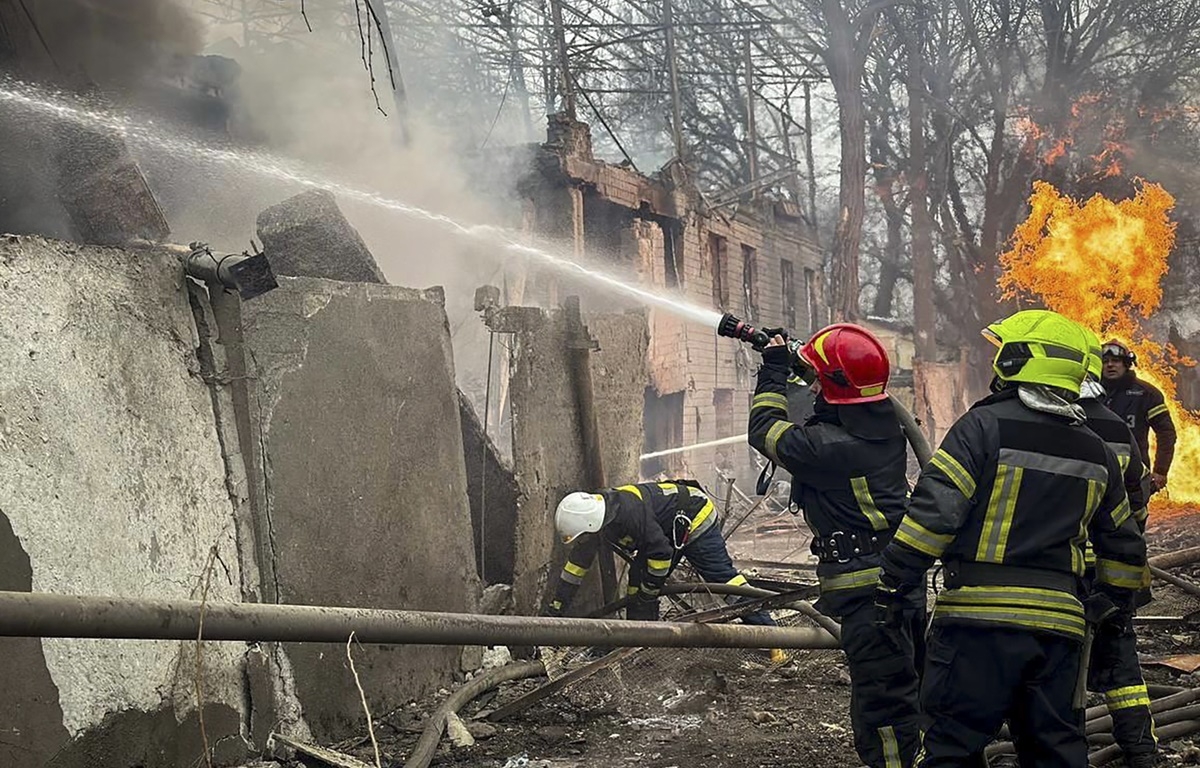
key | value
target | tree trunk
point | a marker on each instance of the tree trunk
(884, 170)
(924, 316)
(847, 82)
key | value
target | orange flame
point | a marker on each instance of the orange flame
(1101, 264)
(1089, 114)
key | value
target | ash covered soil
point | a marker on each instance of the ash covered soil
(712, 708)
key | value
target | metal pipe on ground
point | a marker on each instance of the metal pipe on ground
(24, 614)
(1175, 701)
(1176, 558)
(423, 753)
(1098, 720)
(1166, 733)
(1187, 586)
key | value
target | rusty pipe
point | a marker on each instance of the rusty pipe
(1166, 733)
(24, 614)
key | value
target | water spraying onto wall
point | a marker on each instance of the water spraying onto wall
(136, 132)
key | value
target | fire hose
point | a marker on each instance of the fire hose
(743, 590)
(1177, 713)
(733, 328)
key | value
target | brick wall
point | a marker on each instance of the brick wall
(686, 356)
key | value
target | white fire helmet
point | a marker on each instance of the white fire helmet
(579, 513)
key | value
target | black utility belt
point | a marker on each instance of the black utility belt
(967, 574)
(844, 546)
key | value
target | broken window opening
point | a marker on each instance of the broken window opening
(662, 421)
(670, 258)
(812, 300)
(723, 418)
(717, 248)
(749, 282)
(787, 279)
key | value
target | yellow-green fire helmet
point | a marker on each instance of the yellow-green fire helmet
(1037, 346)
(1094, 363)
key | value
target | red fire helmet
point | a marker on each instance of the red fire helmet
(851, 364)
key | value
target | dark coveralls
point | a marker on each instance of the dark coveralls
(1008, 502)
(1114, 669)
(848, 475)
(653, 525)
(1143, 408)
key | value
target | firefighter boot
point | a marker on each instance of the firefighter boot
(1142, 760)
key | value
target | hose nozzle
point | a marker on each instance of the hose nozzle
(733, 328)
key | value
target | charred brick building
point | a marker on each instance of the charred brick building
(758, 260)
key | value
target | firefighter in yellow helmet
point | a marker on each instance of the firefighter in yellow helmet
(1008, 503)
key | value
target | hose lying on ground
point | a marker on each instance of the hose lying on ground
(427, 745)
(1175, 708)
(742, 590)
(1166, 733)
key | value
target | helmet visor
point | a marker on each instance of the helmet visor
(992, 336)
(1114, 350)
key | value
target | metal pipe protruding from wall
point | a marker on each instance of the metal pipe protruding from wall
(249, 275)
(24, 614)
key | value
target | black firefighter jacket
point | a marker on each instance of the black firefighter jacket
(848, 475)
(653, 520)
(1143, 408)
(1008, 503)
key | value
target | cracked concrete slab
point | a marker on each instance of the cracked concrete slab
(113, 482)
(362, 483)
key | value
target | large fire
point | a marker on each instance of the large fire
(1101, 263)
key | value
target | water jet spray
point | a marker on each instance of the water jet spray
(66, 108)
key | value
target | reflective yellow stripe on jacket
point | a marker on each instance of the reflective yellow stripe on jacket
(867, 577)
(866, 504)
(1023, 607)
(921, 538)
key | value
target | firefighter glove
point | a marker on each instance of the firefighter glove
(1101, 608)
(889, 610)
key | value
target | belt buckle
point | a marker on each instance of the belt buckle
(836, 547)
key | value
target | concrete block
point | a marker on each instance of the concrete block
(308, 236)
(619, 379)
(103, 190)
(113, 483)
(548, 458)
(363, 482)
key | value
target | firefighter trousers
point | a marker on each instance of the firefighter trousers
(884, 704)
(1114, 671)
(976, 677)
(709, 556)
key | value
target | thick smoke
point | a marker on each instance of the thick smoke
(116, 44)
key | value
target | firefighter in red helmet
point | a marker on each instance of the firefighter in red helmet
(847, 463)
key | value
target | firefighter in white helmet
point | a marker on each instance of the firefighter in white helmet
(653, 525)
